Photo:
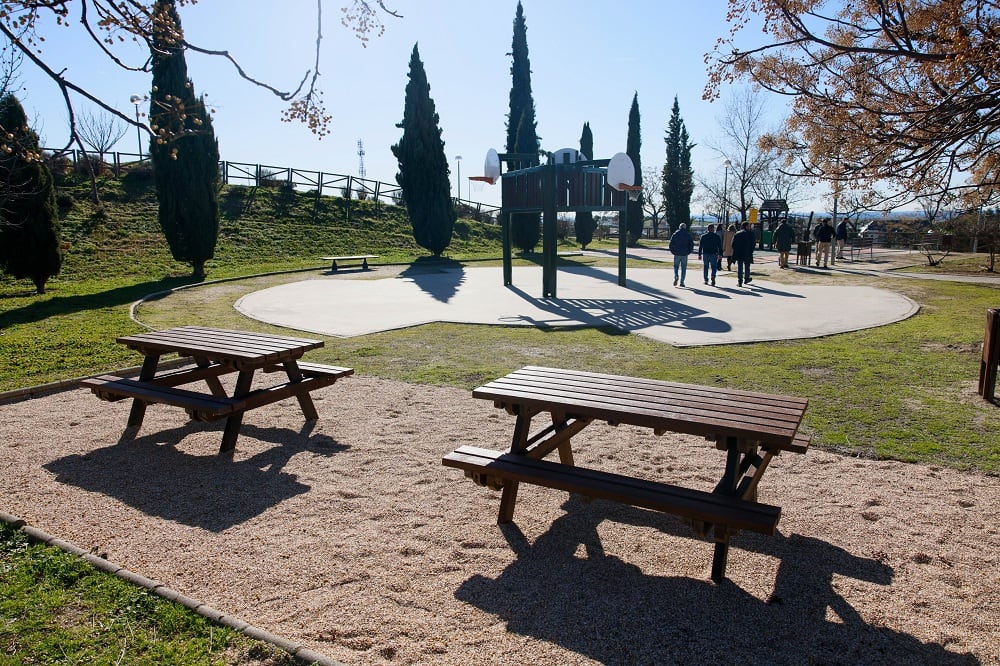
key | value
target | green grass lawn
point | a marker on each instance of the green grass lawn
(905, 391)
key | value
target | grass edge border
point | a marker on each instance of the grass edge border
(298, 651)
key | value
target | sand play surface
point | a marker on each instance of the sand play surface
(350, 537)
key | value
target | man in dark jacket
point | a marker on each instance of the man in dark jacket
(824, 238)
(709, 251)
(783, 237)
(681, 245)
(841, 238)
(743, 245)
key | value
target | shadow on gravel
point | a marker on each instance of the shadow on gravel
(608, 610)
(211, 492)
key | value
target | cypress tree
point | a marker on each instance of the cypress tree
(423, 167)
(522, 136)
(632, 149)
(520, 73)
(584, 220)
(678, 176)
(686, 180)
(185, 152)
(29, 219)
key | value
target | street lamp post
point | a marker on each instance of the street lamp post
(725, 193)
(135, 99)
(458, 160)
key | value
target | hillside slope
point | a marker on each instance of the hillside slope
(262, 229)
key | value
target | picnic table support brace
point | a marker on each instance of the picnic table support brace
(305, 400)
(553, 437)
(214, 385)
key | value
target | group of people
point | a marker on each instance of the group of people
(824, 234)
(738, 246)
(714, 245)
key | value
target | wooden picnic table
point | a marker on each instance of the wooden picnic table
(750, 427)
(216, 352)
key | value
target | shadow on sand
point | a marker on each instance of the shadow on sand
(211, 492)
(606, 609)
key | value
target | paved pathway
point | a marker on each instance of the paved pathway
(649, 305)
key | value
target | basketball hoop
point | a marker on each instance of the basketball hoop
(621, 176)
(633, 191)
(479, 181)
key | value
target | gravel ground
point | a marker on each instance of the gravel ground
(349, 536)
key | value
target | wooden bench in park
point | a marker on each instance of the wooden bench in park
(216, 352)
(495, 468)
(859, 245)
(933, 246)
(349, 259)
(199, 406)
(750, 427)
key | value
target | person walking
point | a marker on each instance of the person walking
(744, 242)
(783, 237)
(709, 250)
(841, 237)
(681, 245)
(727, 246)
(824, 239)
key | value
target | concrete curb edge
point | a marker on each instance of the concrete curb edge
(302, 654)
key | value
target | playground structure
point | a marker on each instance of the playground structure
(772, 213)
(567, 183)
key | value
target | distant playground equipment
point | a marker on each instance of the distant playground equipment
(568, 183)
(772, 213)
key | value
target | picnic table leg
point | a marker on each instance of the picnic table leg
(719, 559)
(508, 496)
(727, 486)
(235, 420)
(305, 400)
(138, 411)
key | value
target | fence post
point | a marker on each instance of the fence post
(347, 197)
(991, 355)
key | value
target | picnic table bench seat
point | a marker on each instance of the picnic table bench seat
(859, 245)
(315, 370)
(492, 468)
(349, 258)
(200, 406)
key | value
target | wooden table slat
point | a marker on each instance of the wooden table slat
(639, 382)
(198, 339)
(678, 420)
(231, 334)
(680, 395)
(200, 342)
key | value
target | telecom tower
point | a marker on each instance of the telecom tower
(361, 159)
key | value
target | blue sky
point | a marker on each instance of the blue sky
(587, 60)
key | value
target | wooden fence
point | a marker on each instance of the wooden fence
(316, 182)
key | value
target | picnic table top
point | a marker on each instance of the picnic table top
(219, 345)
(658, 404)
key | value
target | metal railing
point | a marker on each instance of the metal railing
(318, 182)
